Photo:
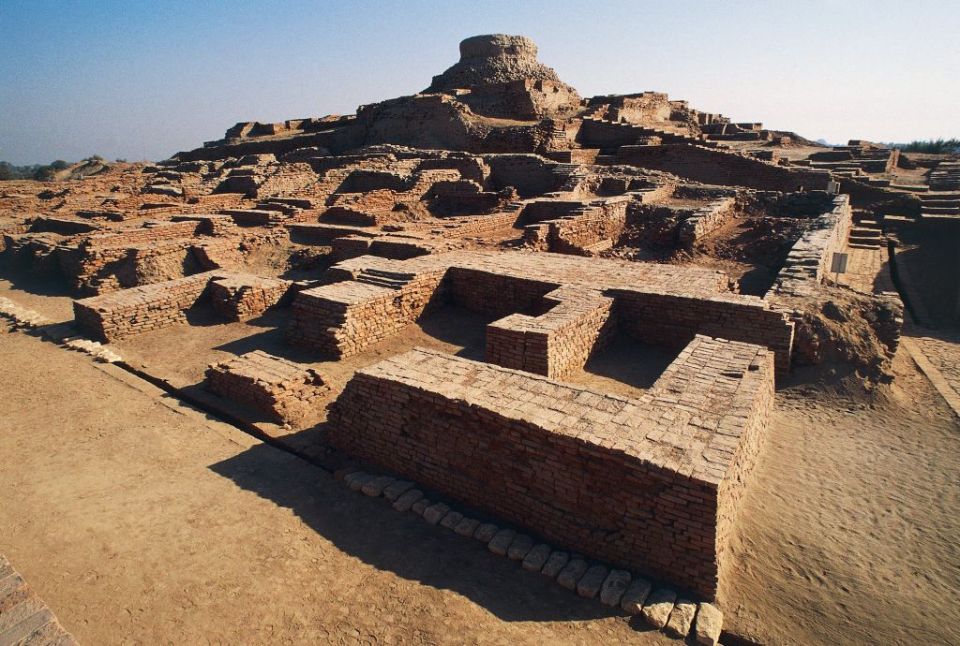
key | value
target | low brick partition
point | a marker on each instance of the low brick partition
(285, 391)
(344, 318)
(118, 315)
(239, 297)
(650, 484)
(581, 229)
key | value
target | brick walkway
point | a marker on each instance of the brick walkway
(24, 618)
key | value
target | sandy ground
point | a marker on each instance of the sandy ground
(142, 522)
(849, 530)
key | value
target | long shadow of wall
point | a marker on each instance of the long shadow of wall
(369, 530)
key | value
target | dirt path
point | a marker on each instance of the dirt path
(140, 522)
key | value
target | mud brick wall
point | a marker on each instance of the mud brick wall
(479, 225)
(115, 316)
(557, 343)
(588, 226)
(705, 220)
(529, 174)
(673, 320)
(350, 246)
(153, 232)
(283, 390)
(811, 256)
(495, 294)
(344, 318)
(637, 483)
(239, 297)
(713, 166)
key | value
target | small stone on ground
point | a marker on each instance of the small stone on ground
(657, 610)
(555, 563)
(500, 543)
(407, 500)
(451, 520)
(396, 489)
(681, 619)
(611, 592)
(434, 513)
(571, 574)
(708, 625)
(375, 487)
(519, 547)
(634, 596)
(486, 532)
(536, 557)
(589, 584)
(467, 527)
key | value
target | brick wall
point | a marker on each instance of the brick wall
(641, 484)
(705, 220)
(811, 256)
(718, 167)
(115, 316)
(283, 390)
(238, 297)
(344, 318)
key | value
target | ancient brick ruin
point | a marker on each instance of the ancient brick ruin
(554, 230)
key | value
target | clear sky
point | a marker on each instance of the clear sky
(142, 80)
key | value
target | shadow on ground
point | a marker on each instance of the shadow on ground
(402, 543)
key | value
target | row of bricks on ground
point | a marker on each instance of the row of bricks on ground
(660, 607)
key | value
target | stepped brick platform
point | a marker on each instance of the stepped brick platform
(238, 297)
(651, 483)
(655, 303)
(282, 389)
(24, 617)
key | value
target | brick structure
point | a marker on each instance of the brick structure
(118, 315)
(238, 297)
(651, 484)
(713, 166)
(25, 619)
(284, 390)
(810, 258)
(657, 304)
(705, 220)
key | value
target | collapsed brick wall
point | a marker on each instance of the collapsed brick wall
(713, 166)
(118, 315)
(588, 226)
(636, 483)
(285, 391)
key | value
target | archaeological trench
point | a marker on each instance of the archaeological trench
(551, 323)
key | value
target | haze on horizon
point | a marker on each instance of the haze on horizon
(142, 80)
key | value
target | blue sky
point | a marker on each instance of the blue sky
(142, 80)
